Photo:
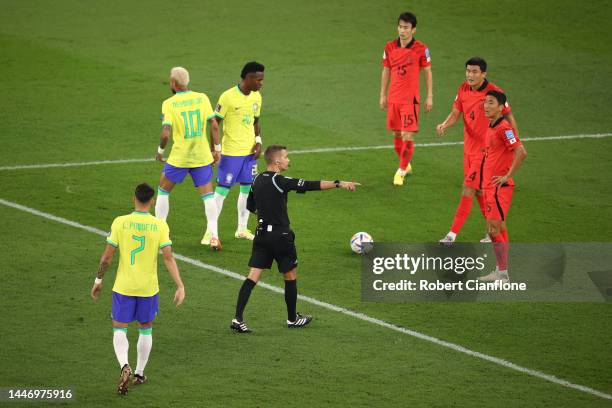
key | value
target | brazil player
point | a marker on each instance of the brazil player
(504, 156)
(184, 117)
(239, 109)
(403, 60)
(139, 236)
(469, 105)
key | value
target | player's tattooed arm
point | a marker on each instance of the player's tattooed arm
(105, 260)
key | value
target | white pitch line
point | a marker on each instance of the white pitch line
(304, 151)
(73, 164)
(339, 309)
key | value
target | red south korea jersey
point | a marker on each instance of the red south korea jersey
(475, 124)
(501, 140)
(405, 64)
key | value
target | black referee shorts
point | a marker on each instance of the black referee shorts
(276, 245)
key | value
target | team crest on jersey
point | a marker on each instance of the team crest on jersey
(510, 136)
(255, 107)
(218, 108)
(228, 178)
(427, 55)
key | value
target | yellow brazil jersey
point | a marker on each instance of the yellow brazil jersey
(238, 112)
(188, 112)
(139, 236)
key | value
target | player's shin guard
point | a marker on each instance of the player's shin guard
(481, 204)
(162, 204)
(220, 194)
(212, 214)
(462, 213)
(243, 297)
(121, 345)
(398, 143)
(501, 248)
(291, 298)
(243, 213)
(406, 154)
(145, 342)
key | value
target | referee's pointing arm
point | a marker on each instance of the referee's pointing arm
(277, 160)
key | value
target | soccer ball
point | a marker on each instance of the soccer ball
(361, 243)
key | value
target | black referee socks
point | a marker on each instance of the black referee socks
(291, 298)
(243, 297)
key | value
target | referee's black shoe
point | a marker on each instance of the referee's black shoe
(239, 326)
(300, 321)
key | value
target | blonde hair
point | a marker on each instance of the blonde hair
(180, 75)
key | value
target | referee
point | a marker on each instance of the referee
(274, 239)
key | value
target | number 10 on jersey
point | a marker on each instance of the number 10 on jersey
(188, 119)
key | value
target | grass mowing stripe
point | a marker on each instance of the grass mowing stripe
(304, 151)
(339, 309)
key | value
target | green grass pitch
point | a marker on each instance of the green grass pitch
(84, 81)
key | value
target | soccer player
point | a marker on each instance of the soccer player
(469, 104)
(239, 109)
(504, 156)
(139, 236)
(403, 60)
(274, 240)
(184, 117)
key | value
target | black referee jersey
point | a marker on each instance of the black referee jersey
(268, 197)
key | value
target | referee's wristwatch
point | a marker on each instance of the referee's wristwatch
(337, 183)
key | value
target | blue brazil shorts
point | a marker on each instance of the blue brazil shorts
(199, 175)
(126, 309)
(236, 169)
